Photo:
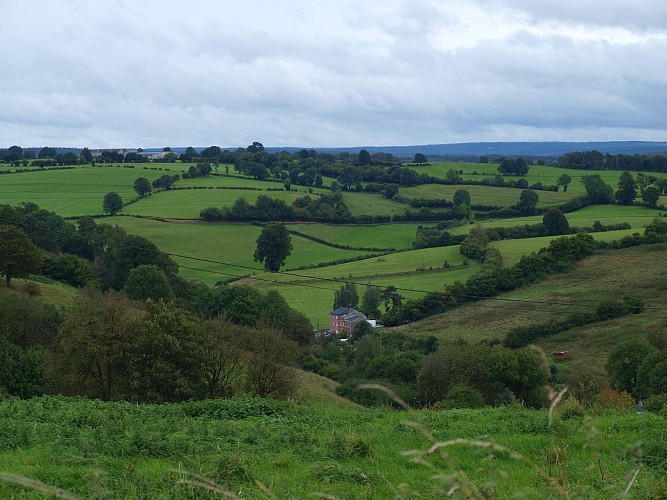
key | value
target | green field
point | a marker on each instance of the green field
(187, 203)
(72, 192)
(271, 449)
(547, 175)
(371, 204)
(483, 195)
(396, 235)
(232, 244)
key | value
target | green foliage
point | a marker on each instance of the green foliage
(461, 396)
(18, 255)
(142, 186)
(489, 370)
(370, 302)
(555, 222)
(564, 180)
(346, 296)
(147, 281)
(112, 203)
(627, 189)
(461, 197)
(597, 191)
(528, 202)
(624, 362)
(274, 245)
(651, 196)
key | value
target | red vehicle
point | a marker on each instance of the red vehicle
(562, 355)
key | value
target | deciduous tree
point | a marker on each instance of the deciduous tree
(627, 189)
(18, 254)
(112, 203)
(274, 245)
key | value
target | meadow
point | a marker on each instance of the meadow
(610, 275)
(484, 195)
(230, 247)
(545, 174)
(252, 448)
(395, 235)
(72, 192)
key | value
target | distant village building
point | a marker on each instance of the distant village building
(343, 319)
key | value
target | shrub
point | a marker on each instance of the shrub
(610, 399)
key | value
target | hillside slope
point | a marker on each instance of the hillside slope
(609, 275)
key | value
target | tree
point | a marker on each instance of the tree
(19, 256)
(274, 245)
(627, 189)
(364, 157)
(93, 343)
(564, 180)
(650, 196)
(461, 197)
(86, 155)
(142, 186)
(47, 152)
(555, 222)
(527, 202)
(147, 282)
(623, 364)
(420, 159)
(597, 191)
(391, 190)
(112, 203)
(370, 302)
(267, 370)
(347, 296)
(513, 166)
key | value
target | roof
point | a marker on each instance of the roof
(340, 311)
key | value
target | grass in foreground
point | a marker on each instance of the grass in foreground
(91, 448)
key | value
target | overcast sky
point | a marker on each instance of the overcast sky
(152, 73)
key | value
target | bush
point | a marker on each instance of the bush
(610, 399)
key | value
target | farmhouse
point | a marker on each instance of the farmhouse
(343, 319)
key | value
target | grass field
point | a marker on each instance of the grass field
(233, 244)
(371, 204)
(536, 173)
(484, 195)
(332, 450)
(415, 273)
(396, 235)
(187, 203)
(610, 275)
(72, 192)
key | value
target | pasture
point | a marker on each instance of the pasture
(545, 174)
(231, 246)
(187, 203)
(72, 192)
(396, 235)
(484, 195)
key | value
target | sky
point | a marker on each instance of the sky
(327, 73)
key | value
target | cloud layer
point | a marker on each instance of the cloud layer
(330, 73)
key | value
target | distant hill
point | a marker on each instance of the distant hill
(476, 149)
(468, 150)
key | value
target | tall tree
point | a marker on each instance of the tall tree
(597, 190)
(650, 196)
(142, 186)
(347, 296)
(627, 189)
(370, 302)
(18, 254)
(274, 245)
(461, 197)
(147, 281)
(420, 158)
(564, 180)
(112, 203)
(364, 157)
(527, 202)
(555, 222)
